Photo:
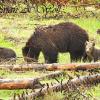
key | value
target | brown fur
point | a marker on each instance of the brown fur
(63, 37)
(6, 54)
(92, 52)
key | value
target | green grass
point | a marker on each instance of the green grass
(21, 27)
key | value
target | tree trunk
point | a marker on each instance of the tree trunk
(19, 84)
(52, 67)
(71, 84)
(28, 83)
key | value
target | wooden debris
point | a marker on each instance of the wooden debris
(28, 83)
(52, 67)
(19, 83)
(71, 84)
(74, 66)
(25, 67)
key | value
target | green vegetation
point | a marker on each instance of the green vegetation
(15, 29)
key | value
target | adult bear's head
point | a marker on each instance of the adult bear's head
(30, 54)
(32, 49)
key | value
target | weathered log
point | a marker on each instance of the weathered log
(88, 66)
(71, 84)
(19, 84)
(52, 67)
(28, 83)
(25, 67)
(74, 66)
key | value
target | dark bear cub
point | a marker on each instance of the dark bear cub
(54, 39)
(6, 54)
(92, 52)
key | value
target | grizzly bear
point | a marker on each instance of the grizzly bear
(6, 54)
(51, 40)
(93, 54)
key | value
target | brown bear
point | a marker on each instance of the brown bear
(93, 53)
(6, 54)
(62, 37)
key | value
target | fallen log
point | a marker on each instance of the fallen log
(71, 84)
(28, 83)
(25, 67)
(52, 67)
(74, 66)
(19, 84)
